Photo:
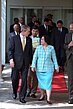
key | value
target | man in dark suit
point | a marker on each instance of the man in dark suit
(45, 29)
(50, 16)
(16, 30)
(31, 23)
(58, 39)
(21, 21)
(69, 53)
(20, 58)
(16, 21)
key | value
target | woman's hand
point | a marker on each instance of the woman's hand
(57, 70)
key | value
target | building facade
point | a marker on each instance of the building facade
(60, 9)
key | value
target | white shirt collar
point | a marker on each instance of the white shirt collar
(45, 26)
(60, 29)
(72, 36)
(15, 32)
(22, 38)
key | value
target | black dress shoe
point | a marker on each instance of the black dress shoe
(22, 100)
(33, 95)
(70, 101)
(14, 96)
(41, 99)
(49, 102)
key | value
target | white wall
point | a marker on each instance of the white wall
(63, 3)
(0, 40)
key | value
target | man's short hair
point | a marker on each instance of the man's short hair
(49, 16)
(46, 20)
(60, 21)
(35, 27)
(24, 27)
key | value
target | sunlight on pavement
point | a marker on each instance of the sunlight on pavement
(1, 89)
(5, 71)
(6, 101)
(21, 106)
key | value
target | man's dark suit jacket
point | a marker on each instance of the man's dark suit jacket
(58, 40)
(69, 50)
(43, 31)
(12, 34)
(16, 52)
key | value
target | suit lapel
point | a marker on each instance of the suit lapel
(20, 43)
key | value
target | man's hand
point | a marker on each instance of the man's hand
(70, 44)
(11, 63)
(32, 69)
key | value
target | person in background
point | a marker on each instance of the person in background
(32, 79)
(44, 63)
(45, 29)
(16, 30)
(31, 23)
(69, 54)
(50, 16)
(16, 21)
(21, 21)
(37, 23)
(58, 40)
(20, 57)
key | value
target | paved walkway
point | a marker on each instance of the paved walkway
(6, 102)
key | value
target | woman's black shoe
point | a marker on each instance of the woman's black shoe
(33, 95)
(41, 99)
(49, 102)
(70, 101)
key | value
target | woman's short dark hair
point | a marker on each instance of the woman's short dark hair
(47, 39)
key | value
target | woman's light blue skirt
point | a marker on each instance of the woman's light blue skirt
(44, 80)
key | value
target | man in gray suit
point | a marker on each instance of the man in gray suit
(69, 54)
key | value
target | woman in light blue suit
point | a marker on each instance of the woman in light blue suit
(45, 62)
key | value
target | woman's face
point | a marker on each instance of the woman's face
(42, 41)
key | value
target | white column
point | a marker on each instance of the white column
(3, 28)
(0, 43)
(2, 33)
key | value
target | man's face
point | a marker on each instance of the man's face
(22, 21)
(35, 32)
(59, 25)
(46, 23)
(71, 28)
(17, 28)
(34, 18)
(27, 32)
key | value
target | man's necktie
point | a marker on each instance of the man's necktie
(23, 43)
(17, 33)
